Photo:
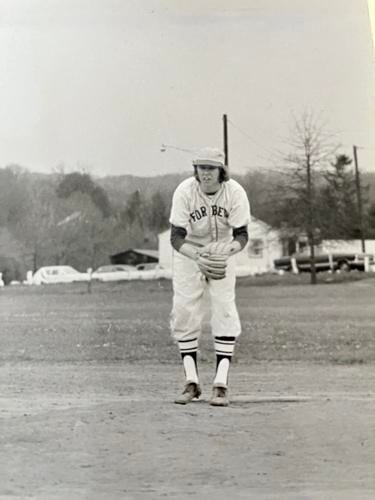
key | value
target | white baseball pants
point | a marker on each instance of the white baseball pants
(192, 294)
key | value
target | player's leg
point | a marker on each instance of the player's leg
(186, 321)
(226, 328)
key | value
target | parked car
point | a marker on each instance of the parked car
(116, 272)
(326, 262)
(153, 270)
(147, 266)
(58, 274)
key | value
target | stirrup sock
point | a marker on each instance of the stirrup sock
(188, 351)
(224, 347)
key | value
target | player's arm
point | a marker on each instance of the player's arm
(239, 220)
(240, 238)
(179, 243)
(179, 220)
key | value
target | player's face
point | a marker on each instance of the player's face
(209, 178)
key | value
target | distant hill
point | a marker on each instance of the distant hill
(120, 187)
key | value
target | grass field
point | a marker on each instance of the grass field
(88, 382)
(282, 320)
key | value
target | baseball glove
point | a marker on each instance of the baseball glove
(218, 248)
(212, 266)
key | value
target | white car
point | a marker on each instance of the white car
(115, 272)
(58, 274)
(150, 271)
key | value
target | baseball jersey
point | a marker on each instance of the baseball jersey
(209, 217)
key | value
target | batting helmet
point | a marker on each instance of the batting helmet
(212, 157)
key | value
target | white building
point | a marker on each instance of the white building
(257, 257)
(353, 246)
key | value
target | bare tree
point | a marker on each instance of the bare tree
(311, 148)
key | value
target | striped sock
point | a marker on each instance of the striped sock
(224, 347)
(188, 351)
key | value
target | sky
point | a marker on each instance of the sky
(99, 85)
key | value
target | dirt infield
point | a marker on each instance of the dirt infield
(104, 431)
(86, 411)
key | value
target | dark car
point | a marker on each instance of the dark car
(325, 262)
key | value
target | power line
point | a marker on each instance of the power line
(269, 151)
(244, 133)
(349, 146)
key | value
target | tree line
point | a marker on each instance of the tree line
(71, 218)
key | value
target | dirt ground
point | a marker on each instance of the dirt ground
(111, 431)
(87, 383)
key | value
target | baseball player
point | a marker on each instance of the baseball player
(209, 224)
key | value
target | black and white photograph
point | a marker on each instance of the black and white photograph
(187, 249)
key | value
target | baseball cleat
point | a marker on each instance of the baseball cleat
(219, 397)
(191, 391)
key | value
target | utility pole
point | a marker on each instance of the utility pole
(225, 124)
(311, 218)
(359, 198)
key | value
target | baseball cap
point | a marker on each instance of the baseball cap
(213, 157)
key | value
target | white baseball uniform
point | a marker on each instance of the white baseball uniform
(206, 218)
